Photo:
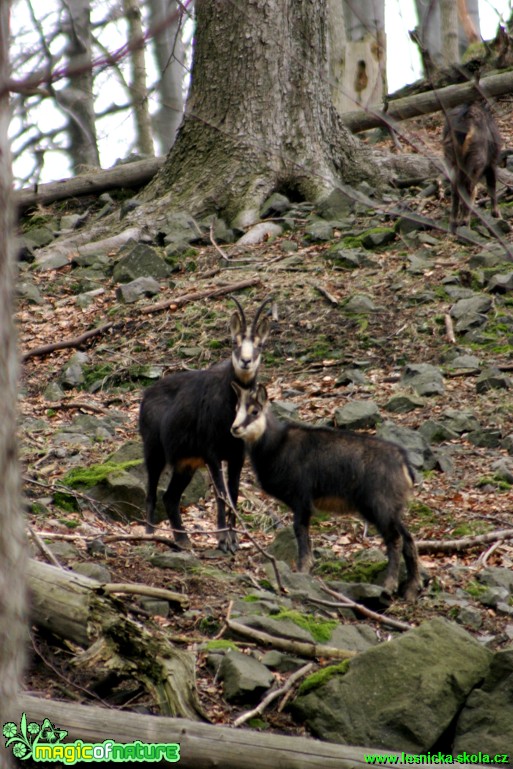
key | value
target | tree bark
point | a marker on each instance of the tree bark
(167, 22)
(259, 116)
(449, 22)
(76, 100)
(76, 608)
(12, 541)
(138, 89)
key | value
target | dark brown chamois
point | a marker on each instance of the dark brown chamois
(185, 420)
(333, 470)
(471, 144)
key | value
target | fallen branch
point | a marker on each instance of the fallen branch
(74, 342)
(202, 746)
(128, 588)
(209, 293)
(292, 679)
(300, 648)
(427, 102)
(465, 543)
(135, 174)
(348, 603)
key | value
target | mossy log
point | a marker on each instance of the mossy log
(79, 609)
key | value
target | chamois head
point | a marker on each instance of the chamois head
(247, 342)
(250, 419)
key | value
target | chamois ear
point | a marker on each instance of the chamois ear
(237, 327)
(262, 331)
(261, 395)
(237, 389)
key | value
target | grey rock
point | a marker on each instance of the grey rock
(356, 638)
(493, 379)
(503, 469)
(439, 661)
(280, 628)
(435, 432)
(177, 561)
(487, 717)
(493, 596)
(474, 305)
(63, 550)
(501, 283)
(380, 237)
(30, 292)
(465, 362)
(357, 414)
(39, 236)
(53, 392)
(93, 571)
(284, 546)
(282, 663)
(276, 204)
(424, 378)
(319, 231)
(360, 303)
(402, 403)
(337, 205)
(155, 606)
(244, 678)
(140, 261)
(285, 409)
(131, 292)
(497, 576)
(417, 448)
(73, 372)
(459, 421)
(488, 258)
(349, 258)
(55, 261)
(485, 437)
(259, 232)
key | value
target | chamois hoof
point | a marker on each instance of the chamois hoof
(411, 591)
(228, 543)
(183, 541)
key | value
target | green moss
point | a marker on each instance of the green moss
(493, 480)
(471, 528)
(364, 571)
(251, 598)
(69, 524)
(420, 510)
(320, 630)
(331, 569)
(475, 589)
(220, 644)
(258, 723)
(350, 241)
(86, 477)
(321, 677)
(65, 502)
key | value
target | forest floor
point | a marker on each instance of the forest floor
(312, 341)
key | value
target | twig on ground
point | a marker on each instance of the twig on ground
(465, 543)
(43, 548)
(274, 695)
(343, 602)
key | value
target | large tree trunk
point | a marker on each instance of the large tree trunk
(167, 20)
(77, 98)
(259, 115)
(12, 545)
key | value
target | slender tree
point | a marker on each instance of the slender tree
(259, 116)
(12, 551)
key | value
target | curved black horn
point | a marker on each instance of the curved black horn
(259, 312)
(241, 312)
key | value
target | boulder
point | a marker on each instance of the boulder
(401, 695)
(486, 722)
(244, 678)
(357, 414)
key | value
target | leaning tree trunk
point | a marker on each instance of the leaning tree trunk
(259, 116)
(13, 627)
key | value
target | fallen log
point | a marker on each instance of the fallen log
(202, 746)
(81, 610)
(427, 102)
(135, 174)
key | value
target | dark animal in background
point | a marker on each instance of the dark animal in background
(185, 420)
(337, 471)
(471, 144)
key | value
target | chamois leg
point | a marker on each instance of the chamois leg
(394, 543)
(305, 558)
(411, 559)
(180, 479)
(226, 538)
(155, 463)
(491, 185)
(455, 207)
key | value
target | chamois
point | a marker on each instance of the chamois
(185, 421)
(471, 144)
(337, 471)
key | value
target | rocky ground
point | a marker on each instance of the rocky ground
(377, 323)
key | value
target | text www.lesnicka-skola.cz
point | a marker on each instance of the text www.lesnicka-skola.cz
(439, 758)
